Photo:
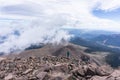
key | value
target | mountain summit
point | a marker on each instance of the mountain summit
(56, 62)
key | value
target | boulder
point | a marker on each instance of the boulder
(10, 76)
(28, 71)
(41, 75)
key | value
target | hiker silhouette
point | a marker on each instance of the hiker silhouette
(68, 54)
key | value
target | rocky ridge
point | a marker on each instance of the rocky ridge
(52, 63)
(54, 68)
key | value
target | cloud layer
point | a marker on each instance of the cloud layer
(26, 22)
(22, 34)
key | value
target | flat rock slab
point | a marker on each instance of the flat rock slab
(41, 75)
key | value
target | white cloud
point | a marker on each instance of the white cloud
(10, 2)
(40, 21)
(43, 30)
(109, 5)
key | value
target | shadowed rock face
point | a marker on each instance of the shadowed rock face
(73, 51)
(58, 51)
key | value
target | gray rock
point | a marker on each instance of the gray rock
(10, 76)
(41, 75)
(28, 71)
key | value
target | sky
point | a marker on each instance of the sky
(112, 15)
(26, 22)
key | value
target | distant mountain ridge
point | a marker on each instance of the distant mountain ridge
(91, 47)
(88, 34)
(97, 37)
(113, 40)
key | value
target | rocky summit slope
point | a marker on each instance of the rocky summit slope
(31, 65)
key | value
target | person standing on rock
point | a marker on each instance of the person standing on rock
(68, 54)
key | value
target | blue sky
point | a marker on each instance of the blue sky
(113, 15)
